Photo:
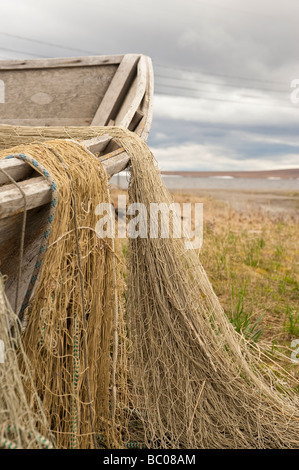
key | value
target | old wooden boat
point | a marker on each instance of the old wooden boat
(84, 91)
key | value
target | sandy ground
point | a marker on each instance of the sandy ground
(275, 204)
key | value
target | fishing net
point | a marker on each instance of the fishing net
(11, 136)
(190, 380)
(68, 336)
(197, 383)
(20, 428)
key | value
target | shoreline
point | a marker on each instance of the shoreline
(273, 203)
(291, 173)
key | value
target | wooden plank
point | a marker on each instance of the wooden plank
(10, 230)
(21, 64)
(128, 115)
(97, 144)
(146, 107)
(54, 97)
(46, 121)
(116, 163)
(140, 121)
(117, 90)
(37, 189)
(138, 116)
(83, 89)
(134, 96)
(17, 169)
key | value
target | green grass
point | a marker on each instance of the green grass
(291, 321)
(253, 254)
(242, 319)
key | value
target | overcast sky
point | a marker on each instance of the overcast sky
(223, 70)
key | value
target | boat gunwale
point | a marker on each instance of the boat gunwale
(61, 62)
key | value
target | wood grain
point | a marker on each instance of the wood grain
(54, 96)
(22, 64)
(37, 189)
(117, 91)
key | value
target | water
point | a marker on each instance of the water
(219, 182)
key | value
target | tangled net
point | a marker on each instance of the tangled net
(70, 319)
(12, 136)
(19, 427)
(197, 383)
(193, 381)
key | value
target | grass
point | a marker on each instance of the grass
(291, 322)
(243, 320)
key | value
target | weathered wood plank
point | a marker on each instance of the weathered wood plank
(128, 115)
(97, 144)
(116, 91)
(10, 230)
(54, 96)
(17, 169)
(116, 163)
(20, 170)
(146, 107)
(134, 96)
(37, 189)
(21, 64)
(138, 116)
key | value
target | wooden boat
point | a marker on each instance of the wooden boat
(85, 91)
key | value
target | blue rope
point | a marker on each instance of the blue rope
(45, 239)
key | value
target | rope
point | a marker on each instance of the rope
(68, 337)
(18, 423)
(76, 370)
(76, 354)
(22, 235)
(115, 332)
(28, 159)
(8, 444)
(82, 301)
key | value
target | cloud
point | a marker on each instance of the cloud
(192, 145)
(240, 52)
(253, 111)
(196, 157)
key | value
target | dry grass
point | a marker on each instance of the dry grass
(251, 259)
